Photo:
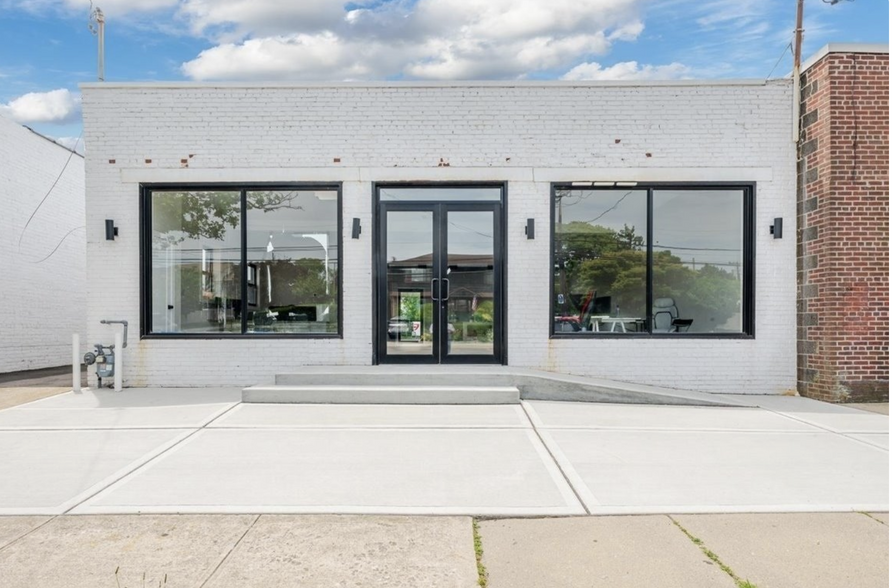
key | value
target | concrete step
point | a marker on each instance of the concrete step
(389, 378)
(391, 394)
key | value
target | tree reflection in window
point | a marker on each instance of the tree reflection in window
(196, 263)
(600, 259)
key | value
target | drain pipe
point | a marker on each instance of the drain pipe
(120, 344)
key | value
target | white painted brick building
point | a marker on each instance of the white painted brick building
(528, 135)
(42, 289)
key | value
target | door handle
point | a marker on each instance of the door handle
(434, 289)
(445, 298)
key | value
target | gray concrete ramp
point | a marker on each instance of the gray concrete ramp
(531, 384)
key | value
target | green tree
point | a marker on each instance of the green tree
(410, 307)
(208, 214)
(594, 259)
(295, 282)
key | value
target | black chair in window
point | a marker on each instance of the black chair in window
(666, 320)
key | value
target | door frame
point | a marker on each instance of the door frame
(500, 253)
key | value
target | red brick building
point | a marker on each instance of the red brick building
(843, 225)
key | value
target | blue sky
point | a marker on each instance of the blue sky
(46, 48)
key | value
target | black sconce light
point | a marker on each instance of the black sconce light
(530, 229)
(111, 231)
(357, 228)
(777, 229)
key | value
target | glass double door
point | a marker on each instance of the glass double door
(439, 283)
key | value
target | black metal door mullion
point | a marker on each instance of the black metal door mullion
(243, 198)
(381, 282)
(649, 260)
(438, 274)
(498, 254)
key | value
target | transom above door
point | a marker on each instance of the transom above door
(439, 269)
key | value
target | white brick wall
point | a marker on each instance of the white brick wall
(526, 134)
(41, 303)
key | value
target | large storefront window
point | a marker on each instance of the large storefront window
(235, 261)
(652, 260)
(196, 262)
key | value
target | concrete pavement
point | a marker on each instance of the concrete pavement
(171, 451)
(202, 451)
(214, 551)
(800, 550)
(877, 407)
(594, 551)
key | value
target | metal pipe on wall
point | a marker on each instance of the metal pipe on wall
(119, 361)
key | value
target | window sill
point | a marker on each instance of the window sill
(242, 336)
(595, 335)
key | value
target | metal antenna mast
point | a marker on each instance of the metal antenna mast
(98, 29)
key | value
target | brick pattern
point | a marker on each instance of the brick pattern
(843, 215)
(43, 302)
(466, 133)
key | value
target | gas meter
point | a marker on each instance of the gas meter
(104, 358)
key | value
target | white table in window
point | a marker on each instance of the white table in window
(622, 321)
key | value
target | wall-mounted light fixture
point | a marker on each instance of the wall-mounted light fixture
(777, 229)
(530, 229)
(357, 229)
(111, 231)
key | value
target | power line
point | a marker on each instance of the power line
(59, 245)
(784, 52)
(615, 204)
(50, 191)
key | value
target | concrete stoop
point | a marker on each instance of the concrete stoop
(458, 385)
(393, 394)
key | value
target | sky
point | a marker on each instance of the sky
(47, 48)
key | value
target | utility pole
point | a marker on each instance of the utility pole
(99, 30)
(797, 64)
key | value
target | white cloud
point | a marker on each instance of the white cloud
(295, 57)
(627, 70)
(427, 39)
(469, 59)
(262, 17)
(74, 143)
(54, 107)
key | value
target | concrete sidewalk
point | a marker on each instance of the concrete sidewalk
(202, 451)
(218, 551)
(825, 550)
(100, 455)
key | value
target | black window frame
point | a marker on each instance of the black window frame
(145, 248)
(749, 256)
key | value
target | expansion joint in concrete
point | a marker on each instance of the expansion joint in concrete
(554, 460)
(28, 532)
(228, 553)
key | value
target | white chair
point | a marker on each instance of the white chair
(666, 320)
